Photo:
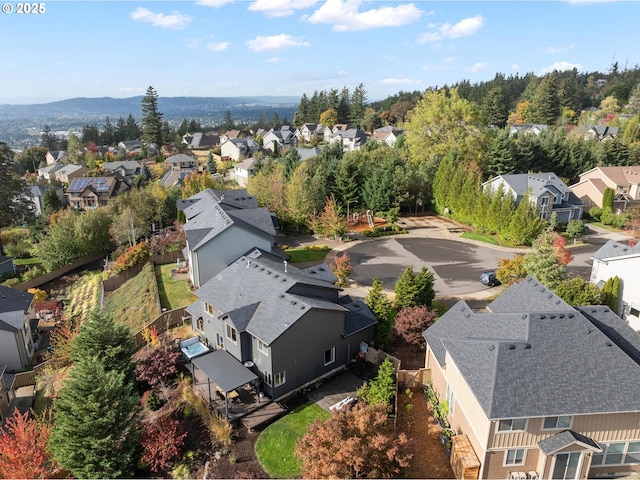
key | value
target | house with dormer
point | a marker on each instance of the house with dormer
(56, 157)
(66, 173)
(236, 149)
(286, 326)
(527, 129)
(242, 171)
(275, 140)
(545, 191)
(310, 131)
(92, 192)
(179, 167)
(351, 139)
(615, 259)
(124, 168)
(601, 133)
(388, 134)
(536, 388)
(625, 182)
(222, 225)
(16, 337)
(201, 141)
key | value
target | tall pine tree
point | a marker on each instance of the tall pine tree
(151, 120)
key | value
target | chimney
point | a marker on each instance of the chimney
(285, 266)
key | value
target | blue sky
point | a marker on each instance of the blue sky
(289, 47)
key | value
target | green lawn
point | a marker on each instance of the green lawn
(298, 255)
(480, 237)
(27, 261)
(173, 294)
(275, 445)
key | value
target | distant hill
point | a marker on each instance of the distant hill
(171, 107)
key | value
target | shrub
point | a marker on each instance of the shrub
(135, 255)
(319, 248)
(181, 472)
(154, 402)
(595, 213)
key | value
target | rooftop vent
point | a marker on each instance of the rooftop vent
(527, 346)
(542, 317)
(512, 347)
(524, 316)
(492, 347)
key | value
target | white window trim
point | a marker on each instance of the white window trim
(333, 356)
(220, 344)
(200, 323)
(524, 458)
(511, 429)
(208, 308)
(262, 347)
(229, 331)
(451, 400)
(283, 378)
(556, 427)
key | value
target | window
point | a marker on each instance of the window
(279, 378)
(262, 347)
(208, 308)
(200, 324)
(232, 334)
(451, 400)
(617, 454)
(267, 378)
(544, 201)
(330, 356)
(512, 424)
(514, 457)
(553, 423)
(634, 312)
(219, 341)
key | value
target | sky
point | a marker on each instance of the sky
(227, 48)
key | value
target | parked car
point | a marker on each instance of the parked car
(489, 278)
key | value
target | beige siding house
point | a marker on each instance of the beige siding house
(625, 182)
(540, 389)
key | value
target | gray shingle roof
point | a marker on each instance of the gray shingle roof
(527, 296)
(542, 361)
(227, 372)
(13, 304)
(262, 283)
(613, 249)
(564, 439)
(358, 318)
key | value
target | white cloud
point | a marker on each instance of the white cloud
(274, 59)
(218, 46)
(275, 42)
(464, 28)
(213, 3)
(565, 48)
(388, 57)
(476, 67)
(344, 15)
(436, 68)
(397, 81)
(174, 21)
(560, 66)
(280, 8)
(515, 66)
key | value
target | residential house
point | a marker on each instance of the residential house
(201, 141)
(130, 147)
(222, 225)
(56, 157)
(6, 395)
(242, 171)
(307, 153)
(48, 172)
(388, 134)
(92, 192)
(124, 168)
(275, 140)
(289, 325)
(309, 131)
(68, 172)
(351, 139)
(625, 182)
(16, 338)
(179, 166)
(546, 191)
(527, 129)
(36, 195)
(329, 131)
(601, 133)
(6, 266)
(236, 149)
(617, 259)
(229, 135)
(539, 389)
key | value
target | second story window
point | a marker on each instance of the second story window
(554, 423)
(200, 324)
(330, 356)
(262, 347)
(208, 308)
(512, 424)
(232, 334)
(544, 201)
(514, 457)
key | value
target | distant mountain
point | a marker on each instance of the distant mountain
(171, 107)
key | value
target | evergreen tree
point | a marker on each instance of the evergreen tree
(525, 224)
(377, 190)
(344, 106)
(145, 173)
(108, 134)
(151, 119)
(543, 264)
(51, 201)
(381, 307)
(227, 122)
(496, 107)
(15, 205)
(302, 113)
(95, 421)
(358, 105)
(413, 289)
(607, 198)
(633, 105)
(212, 166)
(500, 160)
(132, 129)
(48, 139)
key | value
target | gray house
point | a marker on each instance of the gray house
(546, 192)
(16, 340)
(287, 326)
(222, 225)
(36, 195)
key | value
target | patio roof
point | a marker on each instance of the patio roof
(227, 372)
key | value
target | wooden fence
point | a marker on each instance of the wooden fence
(166, 258)
(52, 275)
(164, 322)
(115, 282)
(414, 378)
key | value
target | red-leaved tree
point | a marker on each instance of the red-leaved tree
(356, 442)
(559, 244)
(341, 268)
(23, 448)
(158, 366)
(162, 442)
(412, 321)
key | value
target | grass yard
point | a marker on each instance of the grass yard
(134, 303)
(275, 446)
(173, 294)
(27, 261)
(480, 237)
(299, 255)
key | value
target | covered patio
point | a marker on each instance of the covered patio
(226, 383)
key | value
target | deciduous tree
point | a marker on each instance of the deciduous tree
(158, 366)
(577, 292)
(411, 322)
(23, 448)
(330, 222)
(356, 442)
(341, 268)
(544, 263)
(511, 270)
(162, 442)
